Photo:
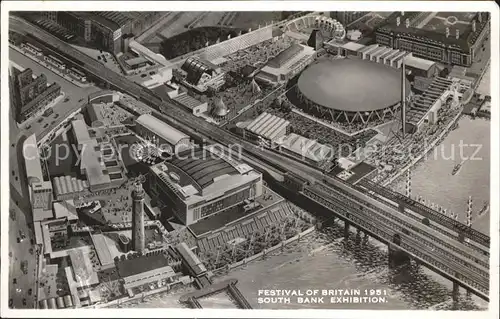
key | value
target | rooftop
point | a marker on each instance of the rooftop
(201, 168)
(65, 209)
(99, 19)
(91, 162)
(267, 125)
(196, 67)
(32, 160)
(130, 267)
(81, 132)
(162, 129)
(137, 60)
(188, 101)
(435, 28)
(305, 147)
(418, 63)
(202, 171)
(285, 55)
(353, 46)
(82, 266)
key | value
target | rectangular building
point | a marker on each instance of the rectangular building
(457, 44)
(202, 183)
(267, 127)
(304, 149)
(161, 134)
(420, 67)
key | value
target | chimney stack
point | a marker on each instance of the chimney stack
(457, 34)
(398, 21)
(402, 13)
(473, 25)
(447, 31)
(407, 22)
(479, 17)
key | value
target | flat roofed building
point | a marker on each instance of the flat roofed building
(81, 133)
(202, 183)
(305, 149)
(432, 39)
(190, 258)
(169, 138)
(419, 66)
(193, 105)
(144, 270)
(65, 209)
(102, 248)
(267, 126)
(138, 62)
(287, 64)
(84, 273)
(100, 174)
(40, 191)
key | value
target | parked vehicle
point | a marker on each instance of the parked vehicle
(48, 112)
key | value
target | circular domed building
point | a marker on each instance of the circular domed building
(350, 90)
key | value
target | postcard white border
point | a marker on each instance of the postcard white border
(490, 6)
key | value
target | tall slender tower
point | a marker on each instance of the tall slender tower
(403, 99)
(138, 218)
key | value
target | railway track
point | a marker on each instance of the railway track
(405, 223)
(173, 113)
(442, 230)
(413, 246)
(434, 242)
(431, 214)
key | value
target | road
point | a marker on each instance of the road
(20, 252)
(42, 125)
(19, 192)
(173, 114)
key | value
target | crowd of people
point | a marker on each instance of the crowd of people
(115, 115)
(256, 55)
(391, 157)
(319, 132)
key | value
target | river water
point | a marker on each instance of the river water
(432, 178)
(324, 261)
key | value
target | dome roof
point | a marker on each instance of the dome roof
(352, 85)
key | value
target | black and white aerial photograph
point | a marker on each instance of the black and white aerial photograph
(260, 160)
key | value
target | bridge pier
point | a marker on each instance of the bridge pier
(346, 230)
(468, 294)
(365, 239)
(455, 294)
(397, 257)
(358, 236)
